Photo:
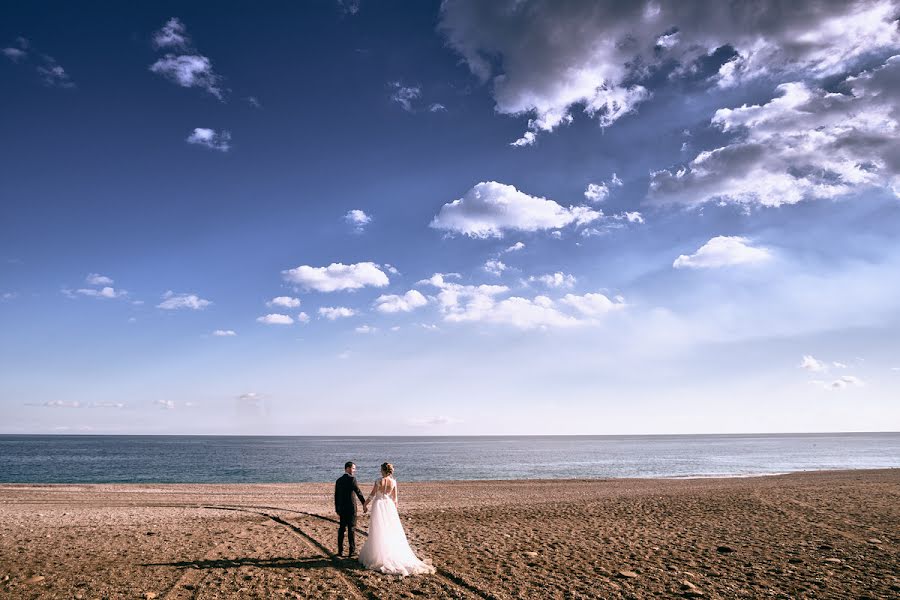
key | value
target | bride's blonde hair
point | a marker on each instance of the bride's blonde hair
(387, 468)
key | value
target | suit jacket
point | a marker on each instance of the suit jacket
(344, 488)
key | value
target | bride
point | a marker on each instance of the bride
(386, 548)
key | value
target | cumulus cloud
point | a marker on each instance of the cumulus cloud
(481, 303)
(14, 54)
(437, 107)
(104, 292)
(284, 301)
(609, 48)
(723, 251)
(275, 319)
(97, 279)
(337, 277)
(593, 305)
(596, 192)
(173, 301)
(804, 144)
(839, 383)
(336, 312)
(57, 404)
(50, 72)
(495, 267)
(210, 138)
(189, 70)
(357, 219)
(302, 317)
(405, 95)
(809, 363)
(224, 333)
(165, 404)
(172, 35)
(515, 248)
(555, 280)
(408, 302)
(365, 329)
(53, 75)
(490, 208)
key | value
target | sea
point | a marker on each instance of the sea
(284, 459)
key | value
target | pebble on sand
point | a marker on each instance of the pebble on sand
(627, 574)
(725, 549)
(35, 579)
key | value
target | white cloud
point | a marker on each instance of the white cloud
(365, 329)
(479, 303)
(555, 280)
(253, 397)
(494, 267)
(515, 248)
(57, 404)
(224, 333)
(165, 404)
(633, 217)
(391, 303)
(391, 269)
(284, 302)
(437, 107)
(105, 292)
(357, 219)
(723, 251)
(809, 363)
(596, 192)
(547, 59)
(189, 70)
(302, 317)
(98, 279)
(528, 139)
(490, 208)
(53, 75)
(336, 312)
(14, 54)
(173, 301)
(337, 276)
(840, 383)
(275, 319)
(615, 180)
(840, 365)
(804, 144)
(594, 305)
(210, 138)
(405, 95)
(172, 35)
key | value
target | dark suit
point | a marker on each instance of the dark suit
(345, 507)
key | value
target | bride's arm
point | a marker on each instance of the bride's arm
(371, 494)
(394, 493)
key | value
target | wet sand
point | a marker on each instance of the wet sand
(803, 535)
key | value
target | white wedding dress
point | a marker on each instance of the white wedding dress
(386, 549)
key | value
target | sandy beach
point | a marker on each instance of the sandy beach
(803, 535)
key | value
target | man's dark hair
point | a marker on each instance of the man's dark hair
(348, 464)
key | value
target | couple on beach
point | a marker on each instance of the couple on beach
(386, 548)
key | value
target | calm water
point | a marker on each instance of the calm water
(239, 459)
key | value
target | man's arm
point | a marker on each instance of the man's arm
(336, 486)
(358, 493)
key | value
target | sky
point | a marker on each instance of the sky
(449, 218)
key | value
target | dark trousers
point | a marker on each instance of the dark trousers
(348, 522)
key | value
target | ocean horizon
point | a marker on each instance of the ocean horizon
(93, 458)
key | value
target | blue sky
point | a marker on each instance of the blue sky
(449, 218)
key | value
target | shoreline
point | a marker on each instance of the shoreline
(701, 477)
(830, 534)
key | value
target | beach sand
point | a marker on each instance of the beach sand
(803, 535)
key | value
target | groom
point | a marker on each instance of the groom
(345, 507)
